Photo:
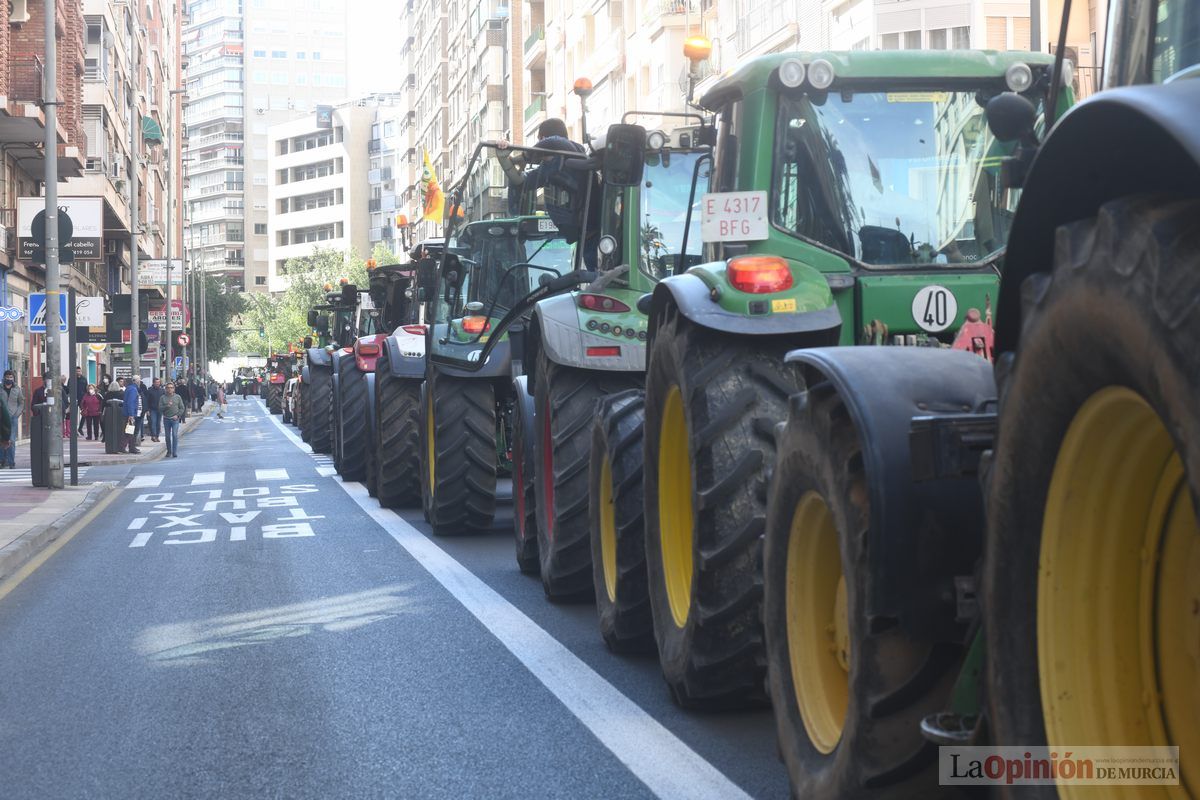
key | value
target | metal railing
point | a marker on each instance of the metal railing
(538, 34)
(662, 8)
(25, 78)
(538, 105)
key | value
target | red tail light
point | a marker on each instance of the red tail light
(602, 352)
(365, 349)
(759, 274)
(415, 330)
(599, 302)
(476, 324)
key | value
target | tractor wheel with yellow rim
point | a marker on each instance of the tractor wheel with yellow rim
(848, 695)
(712, 401)
(1092, 567)
(458, 453)
(618, 532)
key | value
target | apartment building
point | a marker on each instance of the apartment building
(318, 188)
(250, 64)
(385, 151)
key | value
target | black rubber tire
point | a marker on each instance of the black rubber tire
(733, 390)
(352, 420)
(298, 416)
(894, 680)
(1137, 266)
(524, 493)
(397, 438)
(302, 417)
(625, 620)
(565, 399)
(335, 448)
(275, 399)
(320, 402)
(462, 497)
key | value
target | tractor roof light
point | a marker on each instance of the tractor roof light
(1068, 72)
(697, 48)
(607, 245)
(582, 87)
(329, 287)
(759, 274)
(820, 74)
(1018, 77)
(343, 281)
(791, 73)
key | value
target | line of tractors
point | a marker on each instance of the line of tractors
(750, 400)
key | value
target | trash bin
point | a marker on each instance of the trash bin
(114, 426)
(39, 445)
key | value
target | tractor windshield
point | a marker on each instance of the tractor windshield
(666, 184)
(892, 178)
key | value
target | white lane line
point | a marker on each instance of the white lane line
(145, 482)
(326, 472)
(668, 767)
(208, 477)
(271, 474)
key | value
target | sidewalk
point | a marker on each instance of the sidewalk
(33, 518)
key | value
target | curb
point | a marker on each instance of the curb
(33, 541)
(193, 420)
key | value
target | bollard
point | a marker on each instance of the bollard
(114, 426)
(39, 445)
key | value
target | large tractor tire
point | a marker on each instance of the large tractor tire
(1092, 561)
(617, 524)
(320, 401)
(398, 438)
(302, 403)
(298, 405)
(848, 700)
(524, 481)
(565, 399)
(458, 454)
(275, 398)
(712, 402)
(352, 420)
(335, 407)
(370, 436)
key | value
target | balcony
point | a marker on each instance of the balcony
(538, 106)
(23, 122)
(661, 12)
(535, 48)
(538, 35)
(374, 146)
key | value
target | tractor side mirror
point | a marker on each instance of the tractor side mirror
(321, 324)
(1011, 117)
(624, 155)
(313, 316)
(308, 342)
(349, 295)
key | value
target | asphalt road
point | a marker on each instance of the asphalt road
(238, 622)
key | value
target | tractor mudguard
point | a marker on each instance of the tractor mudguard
(305, 375)
(923, 533)
(319, 356)
(694, 300)
(559, 332)
(523, 404)
(1148, 144)
(401, 365)
(499, 364)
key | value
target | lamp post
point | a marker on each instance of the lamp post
(170, 226)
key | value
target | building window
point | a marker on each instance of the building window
(260, 280)
(279, 54)
(316, 55)
(906, 40)
(260, 229)
(301, 54)
(260, 53)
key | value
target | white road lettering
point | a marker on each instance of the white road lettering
(249, 516)
(208, 477)
(234, 505)
(174, 521)
(145, 482)
(271, 474)
(287, 530)
(156, 497)
(276, 502)
(238, 534)
(213, 494)
(206, 535)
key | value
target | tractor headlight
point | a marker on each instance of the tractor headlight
(656, 140)
(1018, 77)
(820, 74)
(1068, 72)
(791, 73)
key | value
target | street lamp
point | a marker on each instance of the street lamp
(170, 226)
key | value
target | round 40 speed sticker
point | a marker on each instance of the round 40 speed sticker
(934, 308)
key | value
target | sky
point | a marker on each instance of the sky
(374, 46)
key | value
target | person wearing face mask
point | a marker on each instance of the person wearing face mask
(90, 408)
(14, 402)
(153, 395)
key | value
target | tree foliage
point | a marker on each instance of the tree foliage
(270, 321)
(222, 307)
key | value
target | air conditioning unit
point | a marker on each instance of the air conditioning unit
(112, 247)
(115, 169)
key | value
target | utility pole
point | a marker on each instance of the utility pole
(53, 356)
(1035, 25)
(172, 177)
(135, 159)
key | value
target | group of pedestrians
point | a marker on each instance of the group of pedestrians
(160, 407)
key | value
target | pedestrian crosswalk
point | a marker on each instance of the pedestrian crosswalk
(25, 475)
(213, 478)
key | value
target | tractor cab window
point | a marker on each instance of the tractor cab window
(891, 178)
(1176, 38)
(663, 211)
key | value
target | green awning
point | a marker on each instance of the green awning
(151, 132)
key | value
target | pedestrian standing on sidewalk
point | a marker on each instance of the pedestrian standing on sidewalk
(6, 429)
(170, 406)
(90, 408)
(14, 403)
(141, 420)
(133, 410)
(181, 389)
(68, 399)
(81, 387)
(153, 395)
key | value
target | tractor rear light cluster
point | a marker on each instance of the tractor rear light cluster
(365, 349)
(414, 330)
(476, 324)
(759, 274)
(603, 352)
(602, 303)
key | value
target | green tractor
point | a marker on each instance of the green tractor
(956, 554)
(486, 270)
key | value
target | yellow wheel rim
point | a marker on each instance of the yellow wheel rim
(675, 506)
(818, 627)
(608, 531)
(1118, 629)
(429, 444)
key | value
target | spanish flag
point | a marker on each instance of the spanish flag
(431, 193)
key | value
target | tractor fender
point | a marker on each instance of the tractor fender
(923, 533)
(560, 333)
(499, 364)
(1132, 140)
(523, 404)
(319, 356)
(401, 365)
(694, 300)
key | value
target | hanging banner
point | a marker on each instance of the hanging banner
(87, 219)
(154, 272)
(431, 193)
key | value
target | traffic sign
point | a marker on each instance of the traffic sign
(37, 312)
(184, 340)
